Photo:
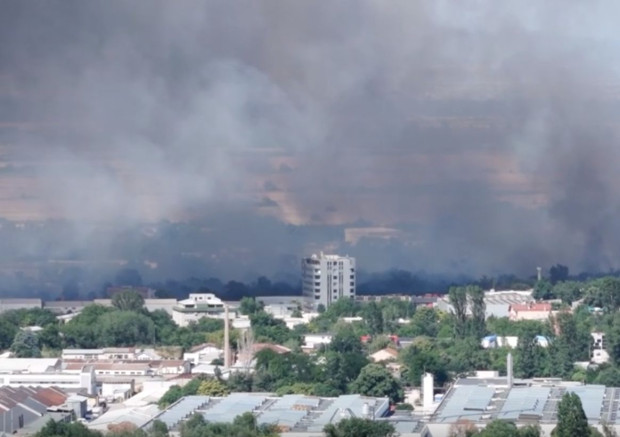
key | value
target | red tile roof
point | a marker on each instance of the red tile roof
(50, 396)
(539, 306)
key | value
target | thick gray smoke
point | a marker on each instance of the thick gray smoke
(484, 132)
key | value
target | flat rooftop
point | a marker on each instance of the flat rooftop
(484, 400)
(294, 413)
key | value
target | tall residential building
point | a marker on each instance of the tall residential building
(327, 278)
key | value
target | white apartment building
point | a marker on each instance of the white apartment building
(327, 278)
(197, 306)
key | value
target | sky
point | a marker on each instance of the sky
(479, 136)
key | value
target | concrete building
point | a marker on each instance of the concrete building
(21, 407)
(530, 311)
(327, 278)
(599, 353)
(203, 353)
(145, 292)
(62, 307)
(111, 353)
(106, 369)
(151, 304)
(384, 355)
(197, 306)
(246, 359)
(497, 303)
(314, 341)
(17, 304)
(294, 415)
(46, 372)
(479, 401)
(495, 341)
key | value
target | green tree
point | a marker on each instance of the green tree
(357, 427)
(458, 300)
(478, 311)
(128, 300)
(424, 321)
(424, 356)
(558, 273)
(543, 290)
(373, 317)
(82, 331)
(125, 328)
(240, 382)
(612, 336)
(7, 333)
(268, 328)
(26, 345)
(64, 429)
(249, 306)
(572, 419)
(173, 394)
(375, 380)
(298, 388)
(527, 360)
(568, 291)
(604, 293)
(609, 376)
(50, 337)
(213, 387)
(158, 429)
(501, 428)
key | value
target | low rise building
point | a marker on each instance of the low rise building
(9, 304)
(599, 348)
(246, 358)
(494, 341)
(46, 372)
(197, 306)
(62, 307)
(497, 303)
(151, 304)
(530, 311)
(294, 415)
(104, 369)
(81, 354)
(111, 353)
(21, 407)
(314, 341)
(478, 401)
(203, 353)
(384, 355)
(145, 292)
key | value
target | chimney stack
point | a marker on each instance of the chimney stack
(428, 391)
(509, 376)
(539, 273)
(226, 338)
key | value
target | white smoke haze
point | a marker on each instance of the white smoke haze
(485, 131)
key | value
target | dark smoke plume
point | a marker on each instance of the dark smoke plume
(476, 137)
